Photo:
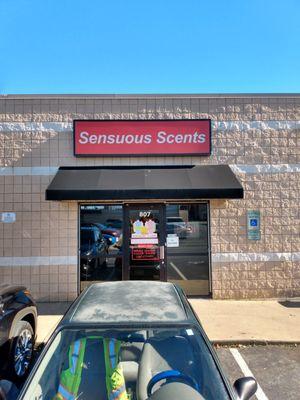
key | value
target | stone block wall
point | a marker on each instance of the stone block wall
(258, 136)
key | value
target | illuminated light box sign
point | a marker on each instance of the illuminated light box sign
(136, 137)
(145, 254)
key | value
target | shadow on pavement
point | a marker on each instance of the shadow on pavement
(57, 308)
(290, 303)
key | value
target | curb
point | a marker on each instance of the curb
(254, 342)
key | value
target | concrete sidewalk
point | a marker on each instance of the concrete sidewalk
(224, 321)
(232, 321)
(49, 315)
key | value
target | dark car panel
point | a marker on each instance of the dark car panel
(110, 234)
(16, 306)
(93, 251)
(6, 295)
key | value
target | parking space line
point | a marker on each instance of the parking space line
(247, 372)
(178, 271)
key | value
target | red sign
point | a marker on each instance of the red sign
(131, 137)
(145, 253)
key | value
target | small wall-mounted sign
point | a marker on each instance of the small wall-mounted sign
(8, 217)
(172, 240)
(253, 225)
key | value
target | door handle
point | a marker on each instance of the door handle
(162, 252)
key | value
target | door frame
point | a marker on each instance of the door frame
(161, 207)
(144, 203)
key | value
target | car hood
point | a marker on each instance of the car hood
(9, 289)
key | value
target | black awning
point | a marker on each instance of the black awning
(137, 183)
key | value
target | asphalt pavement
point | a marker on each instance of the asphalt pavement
(276, 369)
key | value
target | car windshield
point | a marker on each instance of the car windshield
(93, 364)
(87, 235)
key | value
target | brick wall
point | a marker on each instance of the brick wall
(258, 136)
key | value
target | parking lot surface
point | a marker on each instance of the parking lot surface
(276, 368)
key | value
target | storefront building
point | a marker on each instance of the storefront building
(200, 190)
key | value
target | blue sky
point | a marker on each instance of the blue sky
(166, 46)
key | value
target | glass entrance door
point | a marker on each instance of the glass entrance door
(188, 247)
(144, 242)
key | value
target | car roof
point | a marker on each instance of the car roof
(126, 302)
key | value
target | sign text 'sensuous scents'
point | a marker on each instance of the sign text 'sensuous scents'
(142, 137)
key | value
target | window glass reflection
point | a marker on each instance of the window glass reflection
(100, 243)
(187, 247)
